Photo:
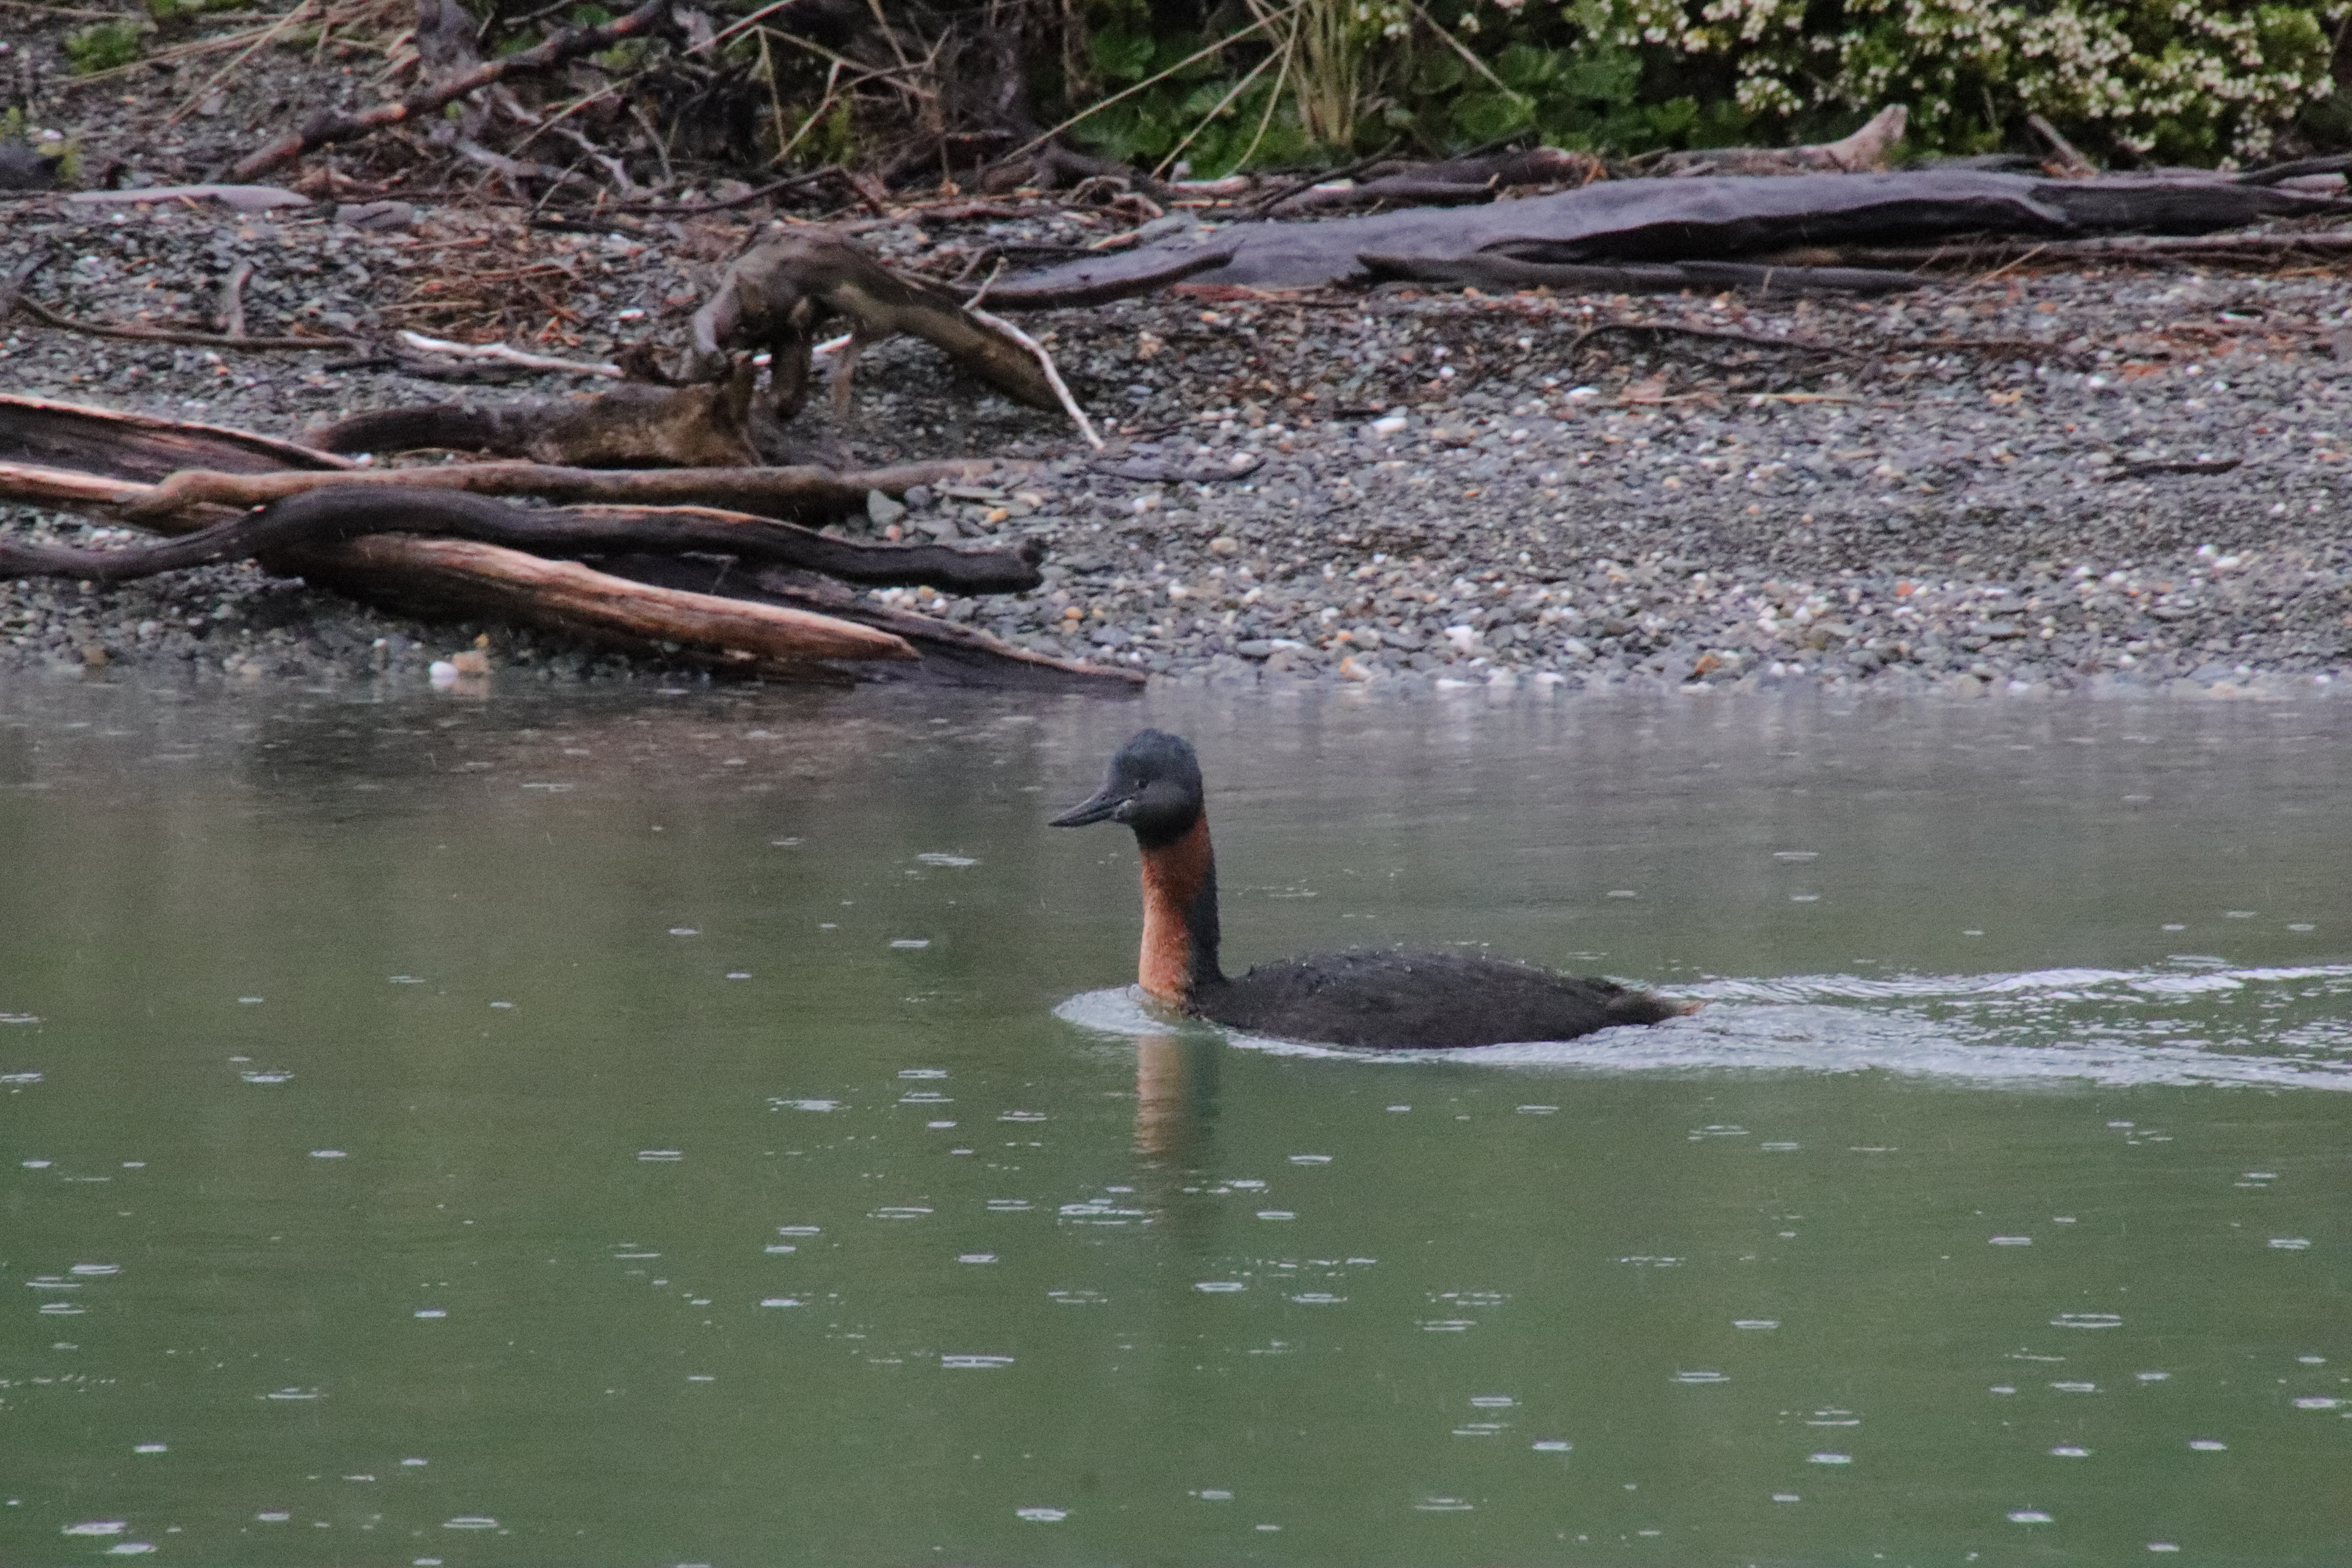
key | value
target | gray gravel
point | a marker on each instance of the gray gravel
(1446, 488)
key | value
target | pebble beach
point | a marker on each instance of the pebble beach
(2021, 482)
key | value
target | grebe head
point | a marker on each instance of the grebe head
(1153, 786)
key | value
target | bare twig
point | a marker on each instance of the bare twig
(1044, 362)
(231, 300)
(330, 126)
(165, 335)
(507, 353)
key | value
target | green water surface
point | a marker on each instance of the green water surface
(638, 1130)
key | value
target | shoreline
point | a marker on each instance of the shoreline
(1446, 488)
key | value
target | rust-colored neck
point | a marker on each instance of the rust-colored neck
(1180, 917)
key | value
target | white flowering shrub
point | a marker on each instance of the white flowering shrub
(2165, 79)
(2154, 81)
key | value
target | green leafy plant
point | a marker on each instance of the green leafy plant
(103, 45)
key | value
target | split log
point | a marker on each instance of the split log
(337, 514)
(142, 446)
(1705, 217)
(438, 578)
(1492, 272)
(775, 296)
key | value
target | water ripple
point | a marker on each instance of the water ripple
(2112, 1027)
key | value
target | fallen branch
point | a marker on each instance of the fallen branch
(330, 126)
(1488, 269)
(335, 515)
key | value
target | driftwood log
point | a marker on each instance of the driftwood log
(1703, 217)
(439, 578)
(723, 589)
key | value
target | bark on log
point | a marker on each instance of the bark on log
(334, 514)
(1488, 270)
(631, 426)
(440, 577)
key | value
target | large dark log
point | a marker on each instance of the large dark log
(1702, 218)
(334, 514)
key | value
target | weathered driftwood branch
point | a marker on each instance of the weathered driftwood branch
(763, 492)
(1488, 269)
(440, 577)
(773, 297)
(1868, 148)
(1674, 219)
(334, 515)
(329, 126)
